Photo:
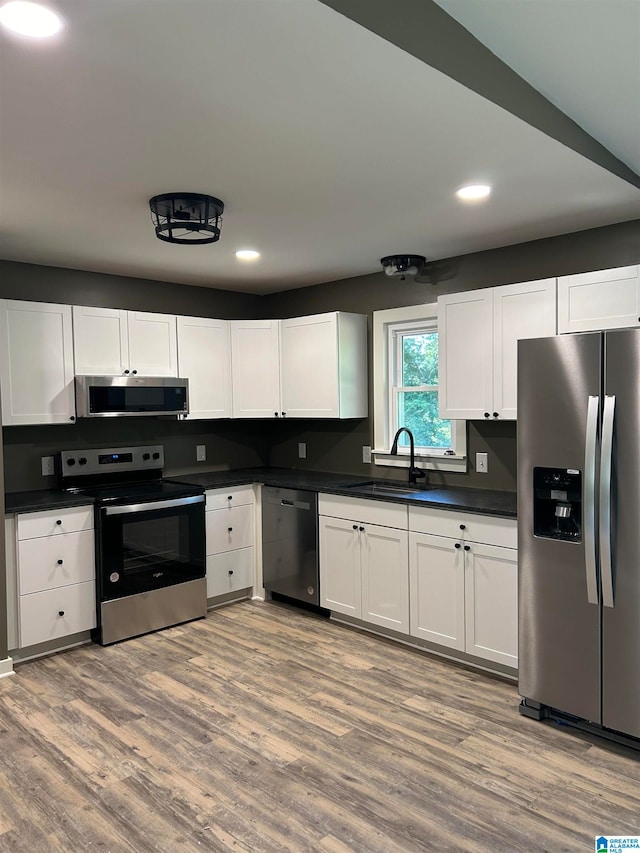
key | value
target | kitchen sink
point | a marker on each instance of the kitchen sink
(399, 490)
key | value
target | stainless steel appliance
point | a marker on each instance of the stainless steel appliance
(579, 529)
(150, 540)
(290, 543)
(129, 396)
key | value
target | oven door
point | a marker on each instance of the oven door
(146, 546)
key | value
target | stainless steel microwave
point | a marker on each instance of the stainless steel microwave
(131, 396)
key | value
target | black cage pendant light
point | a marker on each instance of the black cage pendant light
(187, 218)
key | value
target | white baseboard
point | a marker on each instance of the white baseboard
(6, 667)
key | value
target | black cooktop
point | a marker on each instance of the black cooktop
(152, 490)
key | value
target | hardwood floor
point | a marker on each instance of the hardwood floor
(264, 728)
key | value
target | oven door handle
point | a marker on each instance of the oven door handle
(150, 506)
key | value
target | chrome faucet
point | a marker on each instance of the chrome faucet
(414, 472)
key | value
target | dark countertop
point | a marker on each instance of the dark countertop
(483, 501)
(42, 499)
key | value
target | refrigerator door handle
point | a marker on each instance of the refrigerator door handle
(590, 452)
(606, 460)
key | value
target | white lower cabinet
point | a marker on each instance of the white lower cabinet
(230, 526)
(464, 592)
(364, 567)
(55, 574)
(436, 590)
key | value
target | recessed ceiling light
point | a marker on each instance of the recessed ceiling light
(29, 19)
(474, 192)
(247, 255)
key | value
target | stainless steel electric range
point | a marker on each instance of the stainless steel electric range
(150, 540)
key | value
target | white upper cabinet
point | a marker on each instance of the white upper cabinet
(605, 299)
(36, 363)
(465, 354)
(305, 367)
(255, 368)
(110, 342)
(323, 366)
(479, 332)
(204, 358)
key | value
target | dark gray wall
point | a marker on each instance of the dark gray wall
(337, 446)
(230, 444)
(77, 287)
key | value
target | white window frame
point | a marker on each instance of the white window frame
(384, 324)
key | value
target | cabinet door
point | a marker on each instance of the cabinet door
(491, 590)
(340, 573)
(36, 363)
(309, 367)
(519, 311)
(465, 355)
(385, 577)
(100, 341)
(605, 299)
(255, 368)
(436, 590)
(204, 358)
(153, 348)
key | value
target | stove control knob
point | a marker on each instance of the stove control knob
(82, 460)
(146, 457)
(71, 461)
(156, 455)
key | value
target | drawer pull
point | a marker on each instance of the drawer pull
(60, 562)
(229, 529)
(230, 571)
(60, 612)
(230, 498)
(59, 521)
(463, 527)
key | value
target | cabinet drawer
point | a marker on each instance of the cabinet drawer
(229, 529)
(226, 498)
(369, 512)
(50, 522)
(477, 528)
(53, 561)
(229, 571)
(40, 618)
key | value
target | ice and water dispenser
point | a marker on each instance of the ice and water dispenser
(557, 503)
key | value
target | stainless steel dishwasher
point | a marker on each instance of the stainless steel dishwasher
(290, 543)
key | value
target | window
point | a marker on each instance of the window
(406, 391)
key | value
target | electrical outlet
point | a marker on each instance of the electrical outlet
(47, 466)
(482, 463)
(201, 452)
(366, 454)
(302, 450)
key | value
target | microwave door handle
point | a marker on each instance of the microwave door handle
(590, 454)
(151, 506)
(606, 462)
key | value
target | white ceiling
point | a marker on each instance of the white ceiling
(329, 145)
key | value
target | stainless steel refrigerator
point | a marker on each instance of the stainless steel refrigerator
(579, 528)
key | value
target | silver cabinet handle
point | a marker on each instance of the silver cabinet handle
(590, 448)
(606, 460)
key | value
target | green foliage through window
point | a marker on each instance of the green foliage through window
(416, 388)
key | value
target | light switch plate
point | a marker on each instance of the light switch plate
(47, 466)
(201, 452)
(482, 463)
(302, 450)
(366, 454)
